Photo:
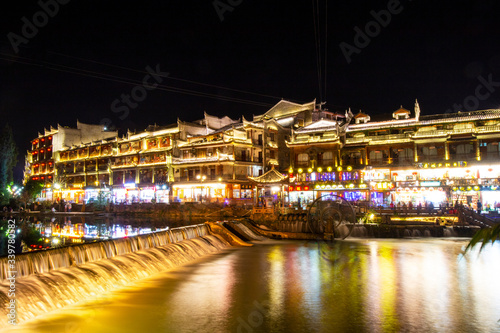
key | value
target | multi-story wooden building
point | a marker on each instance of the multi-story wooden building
(209, 159)
(44, 156)
(409, 158)
(437, 158)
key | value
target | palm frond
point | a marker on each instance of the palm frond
(485, 236)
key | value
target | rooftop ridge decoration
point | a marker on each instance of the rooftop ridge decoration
(286, 108)
(272, 176)
(458, 114)
(320, 125)
(430, 119)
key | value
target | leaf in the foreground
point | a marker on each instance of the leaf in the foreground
(485, 236)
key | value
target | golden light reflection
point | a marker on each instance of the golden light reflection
(277, 279)
(383, 288)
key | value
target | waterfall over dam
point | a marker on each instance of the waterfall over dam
(51, 279)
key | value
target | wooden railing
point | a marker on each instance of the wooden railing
(469, 216)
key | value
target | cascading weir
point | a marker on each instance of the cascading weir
(51, 279)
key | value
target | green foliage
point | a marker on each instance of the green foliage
(369, 217)
(30, 235)
(32, 189)
(101, 201)
(8, 159)
(484, 236)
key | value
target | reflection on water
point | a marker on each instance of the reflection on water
(348, 286)
(76, 229)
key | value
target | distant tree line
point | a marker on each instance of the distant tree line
(8, 159)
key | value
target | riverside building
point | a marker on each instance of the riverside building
(410, 158)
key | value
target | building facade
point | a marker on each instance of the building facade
(419, 159)
(409, 158)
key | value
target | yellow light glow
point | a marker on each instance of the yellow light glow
(309, 170)
(198, 186)
(320, 169)
(329, 169)
(290, 170)
(349, 168)
(339, 168)
(300, 170)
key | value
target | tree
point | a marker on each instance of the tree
(8, 159)
(31, 190)
(484, 236)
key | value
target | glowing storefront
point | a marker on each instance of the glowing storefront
(201, 192)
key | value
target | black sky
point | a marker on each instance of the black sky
(432, 50)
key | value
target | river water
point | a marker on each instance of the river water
(368, 285)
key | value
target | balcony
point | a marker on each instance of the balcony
(389, 138)
(379, 161)
(357, 140)
(352, 161)
(302, 164)
(428, 134)
(492, 155)
(431, 158)
(243, 159)
(402, 161)
(257, 142)
(462, 157)
(463, 182)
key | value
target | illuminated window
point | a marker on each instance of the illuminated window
(303, 158)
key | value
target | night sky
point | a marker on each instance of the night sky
(91, 52)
